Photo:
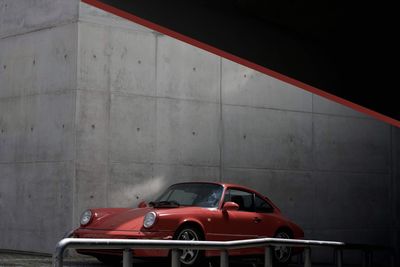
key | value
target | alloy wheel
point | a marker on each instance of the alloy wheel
(282, 253)
(188, 256)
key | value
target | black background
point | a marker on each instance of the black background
(344, 48)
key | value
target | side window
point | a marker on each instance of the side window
(260, 205)
(227, 196)
(242, 198)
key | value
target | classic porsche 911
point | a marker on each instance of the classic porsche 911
(192, 211)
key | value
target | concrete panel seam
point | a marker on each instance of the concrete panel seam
(393, 188)
(312, 132)
(300, 111)
(2, 37)
(221, 125)
(345, 116)
(306, 170)
(78, 63)
(163, 163)
(56, 92)
(112, 25)
(123, 93)
(156, 93)
(108, 125)
(37, 162)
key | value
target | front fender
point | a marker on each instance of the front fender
(191, 221)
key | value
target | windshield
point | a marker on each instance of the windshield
(191, 194)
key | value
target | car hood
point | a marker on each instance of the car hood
(132, 219)
(118, 219)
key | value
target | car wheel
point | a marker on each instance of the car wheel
(282, 254)
(110, 259)
(190, 257)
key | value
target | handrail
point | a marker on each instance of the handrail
(174, 245)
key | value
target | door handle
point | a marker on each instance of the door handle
(257, 220)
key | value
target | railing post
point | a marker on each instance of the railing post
(339, 257)
(175, 258)
(392, 259)
(268, 256)
(58, 257)
(127, 258)
(58, 260)
(224, 259)
(367, 258)
(307, 257)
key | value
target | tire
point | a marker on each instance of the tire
(190, 257)
(110, 260)
(282, 254)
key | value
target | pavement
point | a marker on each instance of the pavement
(25, 259)
(29, 259)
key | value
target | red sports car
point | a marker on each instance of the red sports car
(192, 211)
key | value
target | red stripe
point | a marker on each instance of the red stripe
(241, 61)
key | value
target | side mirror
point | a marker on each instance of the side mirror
(230, 206)
(142, 204)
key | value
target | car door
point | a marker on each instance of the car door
(239, 224)
(267, 221)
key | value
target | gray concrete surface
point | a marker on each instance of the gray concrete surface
(98, 111)
(37, 125)
(20, 17)
(24, 259)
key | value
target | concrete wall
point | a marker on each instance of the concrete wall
(135, 111)
(396, 188)
(38, 59)
(165, 111)
(143, 117)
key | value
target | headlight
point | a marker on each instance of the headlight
(149, 219)
(86, 217)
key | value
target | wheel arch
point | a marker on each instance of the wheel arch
(286, 229)
(191, 223)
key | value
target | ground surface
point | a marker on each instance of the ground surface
(14, 259)
(20, 259)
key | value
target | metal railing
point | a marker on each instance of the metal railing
(175, 245)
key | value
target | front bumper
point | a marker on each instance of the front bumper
(116, 234)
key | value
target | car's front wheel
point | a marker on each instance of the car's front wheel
(190, 257)
(282, 254)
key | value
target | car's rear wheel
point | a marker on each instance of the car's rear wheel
(190, 257)
(110, 259)
(282, 254)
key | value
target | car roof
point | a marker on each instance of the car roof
(219, 183)
(227, 185)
